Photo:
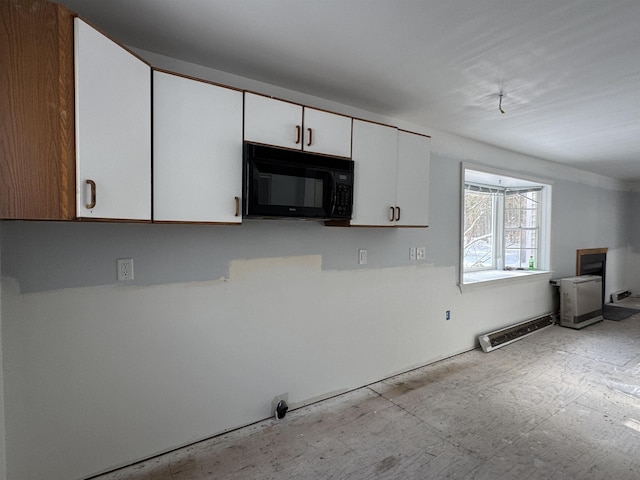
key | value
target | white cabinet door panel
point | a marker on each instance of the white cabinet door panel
(375, 150)
(272, 122)
(412, 195)
(327, 133)
(113, 128)
(197, 145)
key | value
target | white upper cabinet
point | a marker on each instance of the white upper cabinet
(412, 187)
(113, 129)
(284, 124)
(197, 151)
(375, 150)
(272, 122)
(391, 176)
(326, 132)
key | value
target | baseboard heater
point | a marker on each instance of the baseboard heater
(621, 295)
(507, 335)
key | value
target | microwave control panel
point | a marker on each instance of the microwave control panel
(342, 207)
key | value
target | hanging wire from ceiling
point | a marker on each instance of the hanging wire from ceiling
(500, 105)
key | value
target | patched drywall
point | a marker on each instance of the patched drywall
(98, 377)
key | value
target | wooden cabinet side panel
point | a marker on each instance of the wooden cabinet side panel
(36, 117)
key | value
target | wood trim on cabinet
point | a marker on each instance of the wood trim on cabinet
(67, 116)
(414, 133)
(196, 79)
(37, 166)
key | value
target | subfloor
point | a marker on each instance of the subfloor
(559, 404)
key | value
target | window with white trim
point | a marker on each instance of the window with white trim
(505, 223)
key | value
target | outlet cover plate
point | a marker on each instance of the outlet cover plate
(125, 269)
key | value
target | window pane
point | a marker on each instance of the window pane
(478, 230)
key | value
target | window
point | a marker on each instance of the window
(504, 225)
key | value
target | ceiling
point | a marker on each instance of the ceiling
(569, 70)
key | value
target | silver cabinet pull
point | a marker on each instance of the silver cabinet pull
(237, 206)
(392, 214)
(397, 214)
(298, 134)
(310, 137)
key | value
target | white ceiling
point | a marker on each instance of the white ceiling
(569, 69)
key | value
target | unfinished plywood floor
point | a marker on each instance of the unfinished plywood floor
(560, 404)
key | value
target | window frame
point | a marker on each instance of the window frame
(496, 272)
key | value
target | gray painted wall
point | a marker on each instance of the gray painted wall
(48, 255)
(3, 456)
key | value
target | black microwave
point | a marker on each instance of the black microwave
(281, 183)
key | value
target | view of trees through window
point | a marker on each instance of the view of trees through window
(479, 226)
(501, 227)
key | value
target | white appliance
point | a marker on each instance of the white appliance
(580, 301)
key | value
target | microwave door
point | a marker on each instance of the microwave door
(288, 190)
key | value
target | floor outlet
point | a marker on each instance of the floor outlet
(412, 253)
(362, 257)
(125, 269)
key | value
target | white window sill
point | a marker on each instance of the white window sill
(486, 278)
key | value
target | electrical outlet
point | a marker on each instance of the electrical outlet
(362, 257)
(125, 269)
(412, 253)
(421, 253)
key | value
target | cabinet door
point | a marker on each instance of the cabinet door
(375, 150)
(327, 133)
(412, 188)
(113, 129)
(272, 122)
(197, 151)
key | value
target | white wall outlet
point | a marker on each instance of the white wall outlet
(421, 253)
(125, 269)
(362, 257)
(412, 253)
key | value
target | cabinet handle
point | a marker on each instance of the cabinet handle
(397, 214)
(237, 206)
(92, 202)
(298, 134)
(310, 136)
(392, 214)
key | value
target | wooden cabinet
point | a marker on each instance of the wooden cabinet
(197, 151)
(412, 179)
(391, 176)
(113, 129)
(284, 124)
(37, 159)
